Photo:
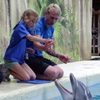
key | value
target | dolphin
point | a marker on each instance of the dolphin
(80, 91)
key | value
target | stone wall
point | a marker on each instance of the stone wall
(10, 13)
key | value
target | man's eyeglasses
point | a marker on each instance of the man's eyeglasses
(53, 18)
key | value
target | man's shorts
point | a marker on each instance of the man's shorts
(39, 64)
(10, 64)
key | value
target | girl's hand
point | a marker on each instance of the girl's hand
(48, 44)
(30, 50)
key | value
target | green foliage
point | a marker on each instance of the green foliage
(71, 23)
(86, 1)
(74, 57)
(73, 30)
(2, 46)
(1, 56)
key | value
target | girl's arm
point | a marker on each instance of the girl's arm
(38, 39)
(35, 38)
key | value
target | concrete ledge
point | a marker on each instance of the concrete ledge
(86, 71)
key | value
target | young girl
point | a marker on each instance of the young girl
(14, 55)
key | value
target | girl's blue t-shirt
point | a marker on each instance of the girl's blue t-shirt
(17, 47)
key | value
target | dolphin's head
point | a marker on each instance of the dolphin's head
(80, 91)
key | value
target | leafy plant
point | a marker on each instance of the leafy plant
(73, 30)
(1, 55)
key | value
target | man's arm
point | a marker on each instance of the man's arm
(61, 57)
(53, 53)
(45, 48)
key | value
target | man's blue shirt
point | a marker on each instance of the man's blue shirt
(43, 31)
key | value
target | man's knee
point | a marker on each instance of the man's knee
(61, 73)
(55, 74)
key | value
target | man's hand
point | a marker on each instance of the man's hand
(63, 58)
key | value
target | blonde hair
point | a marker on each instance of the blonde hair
(29, 13)
(55, 8)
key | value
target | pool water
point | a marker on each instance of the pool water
(95, 91)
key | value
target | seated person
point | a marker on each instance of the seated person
(43, 67)
(15, 52)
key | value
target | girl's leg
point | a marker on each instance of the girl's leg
(16, 75)
(29, 71)
(43, 77)
(19, 72)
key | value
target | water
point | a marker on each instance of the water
(95, 91)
